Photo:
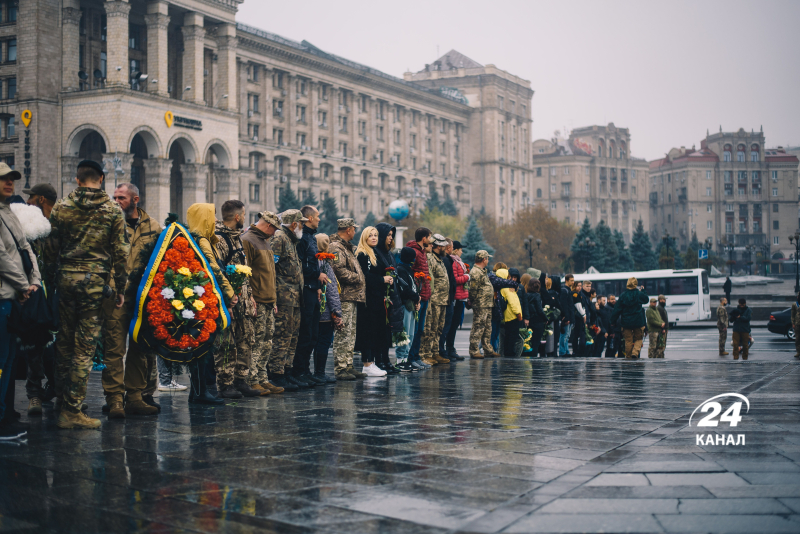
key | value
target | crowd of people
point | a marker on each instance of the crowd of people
(355, 291)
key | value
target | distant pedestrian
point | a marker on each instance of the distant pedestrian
(741, 329)
(568, 315)
(655, 325)
(512, 317)
(722, 325)
(481, 299)
(629, 314)
(461, 274)
(796, 325)
(662, 341)
(614, 344)
(604, 322)
(726, 287)
(537, 319)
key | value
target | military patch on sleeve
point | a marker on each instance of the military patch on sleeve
(277, 258)
(336, 257)
(575, 295)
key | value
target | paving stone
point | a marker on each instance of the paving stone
(610, 506)
(586, 523)
(700, 479)
(720, 523)
(732, 506)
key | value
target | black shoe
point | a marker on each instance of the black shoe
(391, 369)
(242, 387)
(148, 399)
(198, 392)
(49, 392)
(230, 392)
(281, 382)
(312, 380)
(300, 384)
(405, 367)
(10, 431)
(325, 378)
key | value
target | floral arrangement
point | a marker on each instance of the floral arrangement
(552, 315)
(591, 331)
(400, 338)
(237, 275)
(322, 256)
(178, 306)
(527, 334)
(387, 300)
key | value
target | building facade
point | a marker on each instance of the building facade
(178, 98)
(591, 174)
(732, 191)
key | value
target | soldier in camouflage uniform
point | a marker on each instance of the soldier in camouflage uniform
(289, 289)
(142, 233)
(87, 241)
(437, 307)
(481, 295)
(722, 325)
(353, 290)
(232, 360)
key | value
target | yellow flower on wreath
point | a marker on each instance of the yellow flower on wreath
(177, 304)
(244, 269)
(198, 305)
(185, 271)
(188, 292)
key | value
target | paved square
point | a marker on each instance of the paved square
(527, 445)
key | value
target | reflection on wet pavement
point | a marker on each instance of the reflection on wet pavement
(489, 446)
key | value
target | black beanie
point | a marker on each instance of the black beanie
(408, 255)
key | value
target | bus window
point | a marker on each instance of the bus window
(654, 286)
(609, 287)
(686, 285)
(705, 283)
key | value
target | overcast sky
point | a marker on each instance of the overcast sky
(667, 70)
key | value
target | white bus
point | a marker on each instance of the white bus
(686, 290)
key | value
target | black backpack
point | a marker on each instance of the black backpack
(36, 315)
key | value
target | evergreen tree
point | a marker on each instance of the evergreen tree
(473, 241)
(369, 220)
(433, 202)
(584, 254)
(448, 207)
(641, 250)
(668, 255)
(608, 245)
(690, 257)
(624, 260)
(287, 199)
(311, 200)
(329, 220)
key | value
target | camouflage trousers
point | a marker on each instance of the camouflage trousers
(434, 324)
(233, 356)
(652, 350)
(481, 330)
(264, 330)
(128, 367)
(344, 340)
(723, 337)
(284, 341)
(79, 303)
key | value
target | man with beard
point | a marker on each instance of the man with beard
(232, 361)
(134, 378)
(289, 291)
(313, 281)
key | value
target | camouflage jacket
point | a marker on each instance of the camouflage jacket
(288, 270)
(142, 236)
(440, 285)
(481, 292)
(234, 256)
(795, 315)
(88, 235)
(722, 317)
(347, 270)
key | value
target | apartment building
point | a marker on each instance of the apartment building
(732, 191)
(591, 174)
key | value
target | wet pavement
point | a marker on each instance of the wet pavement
(508, 445)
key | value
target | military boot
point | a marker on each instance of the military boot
(261, 391)
(229, 392)
(344, 375)
(68, 419)
(357, 374)
(476, 355)
(35, 406)
(272, 388)
(243, 388)
(139, 407)
(439, 358)
(115, 407)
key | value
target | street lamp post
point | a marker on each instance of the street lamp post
(666, 239)
(529, 247)
(765, 249)
(795, 240)
(728, 247)
(750, 249)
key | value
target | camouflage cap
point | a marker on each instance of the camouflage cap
(439, 240)
(292, 216)
(482, 255)
(662, 297)
(270, 218)
(344, 224)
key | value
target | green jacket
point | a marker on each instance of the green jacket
(629, 307)
(654, 319)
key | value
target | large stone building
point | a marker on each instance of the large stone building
(193, 107)
(732, 191)
(591, 175)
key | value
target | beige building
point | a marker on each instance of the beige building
(591, 175)
(733, 190)
(178, 98)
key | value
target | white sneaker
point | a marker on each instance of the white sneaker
(373, 370)
(172, 386)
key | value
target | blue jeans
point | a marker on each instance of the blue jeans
(8, 351)
(448, 320)
(413, 353)
(563, 341)
(495, 339)
(410, 326)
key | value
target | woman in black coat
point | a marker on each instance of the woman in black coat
(394, 313)
(538, 319)
(373, 336)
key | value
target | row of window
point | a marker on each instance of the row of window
(727, 176)
(614, 206)
(740, 153)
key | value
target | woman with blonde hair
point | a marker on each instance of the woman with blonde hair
(372, 331)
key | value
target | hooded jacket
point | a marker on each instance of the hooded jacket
(88, 235)
(257, 248)
(13, 279)
(523, 301)
(514, 306)
(201, 220)
(143, 233)
(421, 266)
(36, 228)
(565, 302)
(386, 261)
(628, 312)
(230, 251)
(307, 253)
(741, 319)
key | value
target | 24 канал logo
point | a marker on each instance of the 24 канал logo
(716, 417)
